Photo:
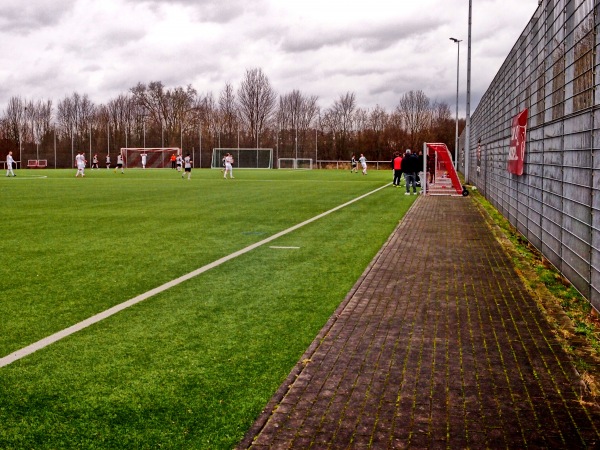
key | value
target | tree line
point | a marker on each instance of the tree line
(251, 116)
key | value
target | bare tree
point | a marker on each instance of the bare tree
(39, 114)
(295, 116)
(228, 113)
(340, 119)
(120, 119)
(167, 109)
(15, 120)
(377, 121)
(75, 115)
(415, 112)
(443, 125)
(256, 100)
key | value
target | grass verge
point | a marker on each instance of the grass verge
(573, 320)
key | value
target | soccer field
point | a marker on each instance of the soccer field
(192, 366)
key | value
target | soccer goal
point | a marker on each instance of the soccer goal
(295, 163)
(155, 158)
(243, 158)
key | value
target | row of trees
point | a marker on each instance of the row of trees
(254, 115)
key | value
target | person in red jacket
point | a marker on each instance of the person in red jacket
(397, 164)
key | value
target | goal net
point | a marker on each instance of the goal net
(243, 158)
(295, 163)
(155, 158)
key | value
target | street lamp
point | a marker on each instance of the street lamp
(456, 41)
(468, 115)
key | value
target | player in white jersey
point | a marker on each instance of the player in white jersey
(228, 165)
(144, 156)
(187, 164)
(80, 163)
(179, 162)
(119, 163)
(363, 163)
(9, 165)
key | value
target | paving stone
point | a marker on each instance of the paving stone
(454, 354)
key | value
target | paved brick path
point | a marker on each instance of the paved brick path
(456, 356)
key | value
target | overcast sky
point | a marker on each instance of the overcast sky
(378, 49)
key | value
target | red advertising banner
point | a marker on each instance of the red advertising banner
(516, 151)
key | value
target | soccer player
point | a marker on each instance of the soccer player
(144, 160)
(187, 163)
(80, 163)
(179, 162)
(95, 162)
(228, 165)
(363, 163)
(119, 163)
(354, 168)
(9, 165)
(108, 161)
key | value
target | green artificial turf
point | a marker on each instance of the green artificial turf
(193, 366)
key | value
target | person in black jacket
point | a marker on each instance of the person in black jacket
(410, 167)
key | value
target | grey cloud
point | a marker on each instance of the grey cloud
(92, 68)
(25, 17)
(368, 38)
(217, 11)
(109, 38)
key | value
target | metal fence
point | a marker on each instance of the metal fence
(553, 71)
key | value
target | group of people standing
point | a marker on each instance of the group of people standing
(409, 164)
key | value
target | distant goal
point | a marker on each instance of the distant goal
(156, 157)
(243, 158)
(295, 163)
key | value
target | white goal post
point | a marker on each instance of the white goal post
(295, 163)
(156, 157)
(243, 158)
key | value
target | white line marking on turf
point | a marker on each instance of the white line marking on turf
(25, 351)
(28, 177)
(276, 246)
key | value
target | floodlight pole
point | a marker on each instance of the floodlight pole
(457, 41)
(316, 146)
(468, 114)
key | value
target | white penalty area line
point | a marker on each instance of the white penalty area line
(25, 351)
(282, 248)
